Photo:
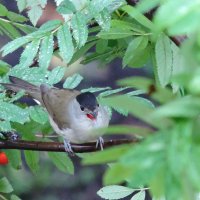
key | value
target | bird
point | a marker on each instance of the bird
(72, 114)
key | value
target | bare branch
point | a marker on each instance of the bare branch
(59, 147)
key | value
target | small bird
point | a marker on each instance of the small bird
(72, 114)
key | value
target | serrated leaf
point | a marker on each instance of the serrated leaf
(16, 17)
(14, 157)
(62, 162)
(103, 19)
(139, 196)
(13, 113)
(5, 186)
(114, 192)
(110, 92)
(66, 7)
(5, 126)
(50, 25)
(3, 10)
(65, 43)
(32, 160)
(38, 114)
(29, 53)
(72, 81)
(115, 33)
(56, 75)
(21, 4)
(136, 45)
(92, 89)
(134, 13)
(164, 59)
(34, 14)
(46, 51)
(14, 197)
(79, 29)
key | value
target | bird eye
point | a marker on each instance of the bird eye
(97, 105)
(82, 108)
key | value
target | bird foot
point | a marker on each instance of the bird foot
(68, 148)
(100, 143)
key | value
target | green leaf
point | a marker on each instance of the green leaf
(4, 67)
(32, 160)
(62, 162)
(103, 19)
(146, 5)
(65, 43)
(92, 89)
(79, 29)
(136, 45)
(101, 46)
(80, 52)
(115, 33)
(184, 107)
(3, 10)
(114, 192)
(21, 4)
(29, 53)
(5, 126)
(50, 26)
(13, 113)
(34, 14)
(38, 114)
(139, 196)
(105, 156)
(164, 59)
(14, 17)
(56, 75)
(66, 7)
(72, 81)
(14, 157)
(110, 92)
(138, 16)
(5, 186)
(14, 197)
(46, 51)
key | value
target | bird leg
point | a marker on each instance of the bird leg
(68, 147)
(100, 143)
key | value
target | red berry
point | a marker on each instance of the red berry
(3, 159)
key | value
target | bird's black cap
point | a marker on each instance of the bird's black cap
(87, 100)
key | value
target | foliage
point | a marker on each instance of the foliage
(166, 161)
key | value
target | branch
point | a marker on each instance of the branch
(59, 147)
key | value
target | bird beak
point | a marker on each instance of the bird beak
(92, 115)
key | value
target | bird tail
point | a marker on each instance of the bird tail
(18, 84)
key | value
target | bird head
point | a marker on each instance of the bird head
(88, 104)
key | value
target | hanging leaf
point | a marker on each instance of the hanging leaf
(38, 114)
(164, 59)
(46, 51)
(62, 162)
(34, 14)
(32, 160)
(135, 46)
(56, 75)
(72, 81)
(65, 43)
(139, 196)
(13, 113)
(14, 157)
(103, 19)
(79, 29)
(114, 192)
(66, 7)
(5, 186)
(13, 45)
(29, 53)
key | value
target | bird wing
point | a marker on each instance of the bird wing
(56, 102)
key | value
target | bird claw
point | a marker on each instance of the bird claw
(68, 148)
(100, 143)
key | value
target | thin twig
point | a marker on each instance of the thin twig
(59, 147)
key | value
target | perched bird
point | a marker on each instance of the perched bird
(72, 114)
